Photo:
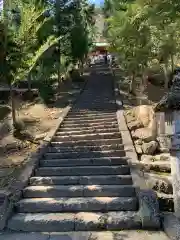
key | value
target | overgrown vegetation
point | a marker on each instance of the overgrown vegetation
(144, 33)
(39, 40)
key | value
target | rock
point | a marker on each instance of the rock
(160, 183)
(150, 147)
(162, 157)
(139, 117)
(134, 125)
(141, 121)
(131, 120)
(138, 146)
(139, 141)
(40, 136)
(147, 158)
(146, 134)
(144, 114)
(158, 157)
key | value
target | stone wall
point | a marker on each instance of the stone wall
(153, 137)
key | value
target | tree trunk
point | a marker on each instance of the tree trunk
(13, 106)
(29, 83)
(172, 63)
(165, 76)
(132, 84)
(58, 22)
(59, 66)
(81, 67)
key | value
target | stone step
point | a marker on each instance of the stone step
(100, 108)
(79, 191)
(82, 180)
(90, 154)
(81, 131)
(89, 117)
(84, 121)
(88, 235)
(83, 162)
(91, 114)
(83, 170)
(100, 105)
(65, 222)
(88, 128)
(85, 148)
(95, 124)
(87, 136)
(88, 204)
(95, 142)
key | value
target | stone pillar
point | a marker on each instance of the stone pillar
(175, 162)
(162, 131)
(160, 120)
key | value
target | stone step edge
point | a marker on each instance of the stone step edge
(123, 168)
(44, 181)
(93, 235)
(90, 135)
(79, 191)
(78, 162)
(89, 146)
(93, 117)
(89, 121)
(83, 152)
(148, 201)
(85, 204)
(94, 158)
(100, 124)
(81, 221)
(85, 141)
(95, 131)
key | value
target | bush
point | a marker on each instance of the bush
(75, 75)
(46, 93)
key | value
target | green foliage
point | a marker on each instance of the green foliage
(143, 30)
(39, 32)
(46, 92)
(37, 41)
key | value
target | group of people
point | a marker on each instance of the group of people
(106, 58)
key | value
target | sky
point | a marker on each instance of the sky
(97, 2)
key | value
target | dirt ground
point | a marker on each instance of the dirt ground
(148, 95)
(38, 119)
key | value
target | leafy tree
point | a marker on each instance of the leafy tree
(38, 39)
(143, 30)
(22, 55)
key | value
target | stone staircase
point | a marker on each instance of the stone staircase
(83, 181)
